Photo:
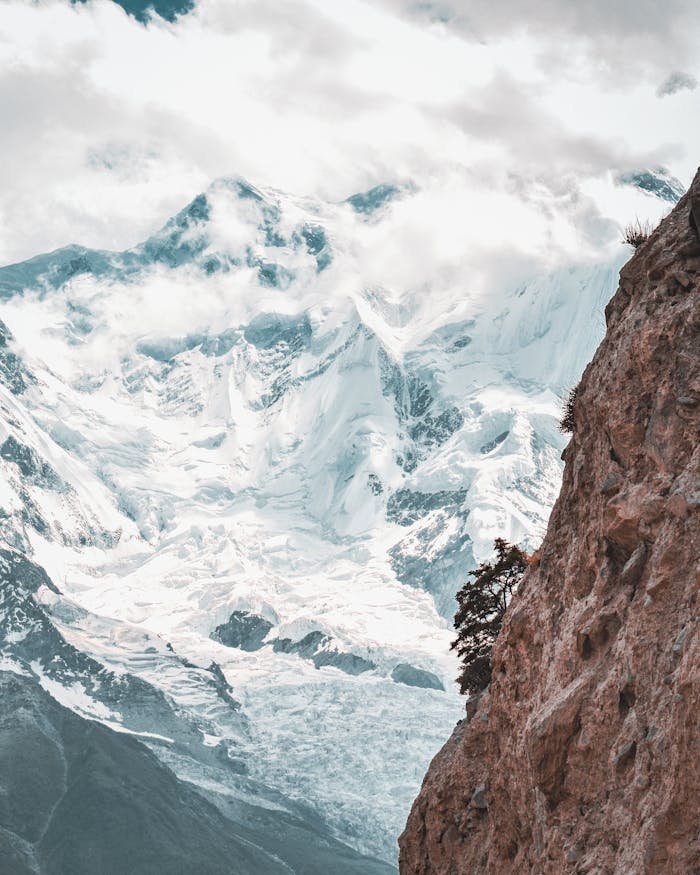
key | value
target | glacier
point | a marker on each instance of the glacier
(241, 480)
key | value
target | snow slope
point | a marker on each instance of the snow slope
(256, 475)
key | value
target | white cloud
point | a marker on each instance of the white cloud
(619, 40)
(110, 126)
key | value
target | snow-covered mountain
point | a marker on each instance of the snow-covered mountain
(255, 476)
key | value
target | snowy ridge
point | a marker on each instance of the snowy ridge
(234, 417)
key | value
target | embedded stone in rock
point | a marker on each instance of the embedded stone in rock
(678, 643)
(478, 799)
(634, 567)
(407, 674)
(621, 523)
(611, 484)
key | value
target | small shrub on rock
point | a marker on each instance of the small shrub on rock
(482, 605)
(637, 232)
(567, 423)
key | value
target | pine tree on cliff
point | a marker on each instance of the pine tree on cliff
(482, 604)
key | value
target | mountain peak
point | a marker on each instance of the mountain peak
(656, 182)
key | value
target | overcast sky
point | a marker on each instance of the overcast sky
(110, 125)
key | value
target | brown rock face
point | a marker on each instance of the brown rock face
(584, 753)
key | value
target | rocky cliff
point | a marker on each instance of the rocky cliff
(584, 753)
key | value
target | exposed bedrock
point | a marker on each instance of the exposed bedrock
(584, 753)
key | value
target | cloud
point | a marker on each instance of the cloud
(675, 82)
(110, 125)
(624, 39)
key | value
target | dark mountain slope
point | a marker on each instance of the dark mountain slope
(78, 798)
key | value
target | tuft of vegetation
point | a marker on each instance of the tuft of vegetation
(637, 232)
(567, 423)
(482, 605)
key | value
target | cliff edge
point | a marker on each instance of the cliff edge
(584, 753)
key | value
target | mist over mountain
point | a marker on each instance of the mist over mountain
(241, 485)
(292, 295)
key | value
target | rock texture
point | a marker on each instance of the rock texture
(584, 753)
